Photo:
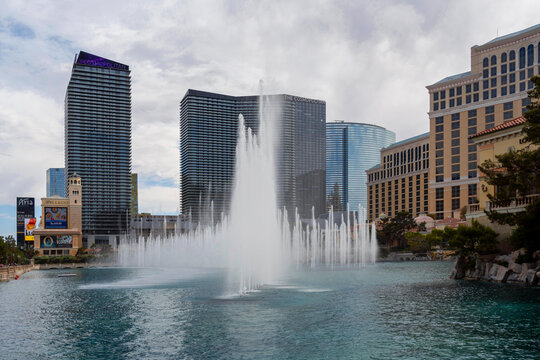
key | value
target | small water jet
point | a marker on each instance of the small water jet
(255, 242)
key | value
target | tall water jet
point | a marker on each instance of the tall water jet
(254, 254)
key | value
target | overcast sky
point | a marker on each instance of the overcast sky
(369, 60)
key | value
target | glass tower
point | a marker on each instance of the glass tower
(98, 141)
(352, 148)
(208, 134)
(56, 182)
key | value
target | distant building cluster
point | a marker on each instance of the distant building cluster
(320, 165)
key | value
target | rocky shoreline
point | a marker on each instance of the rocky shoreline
(498, 268)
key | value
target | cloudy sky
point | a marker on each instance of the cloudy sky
(369, 60)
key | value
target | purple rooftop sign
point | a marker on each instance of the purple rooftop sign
(85, 58)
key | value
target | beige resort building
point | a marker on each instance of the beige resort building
(60, 227)
(462, 105)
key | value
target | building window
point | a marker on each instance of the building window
(468, 99)
(455, 191)
(439, 178)
(439, 120)
(508, 115)
(476, 86)
(485, 62)
(455, 133)
(522, 58)
(472, 165)
(485, 95)
(439, 153)
(512, 89)
(504, 91)
(530, 55)
(512, 55)
(522, 86)
(493, 60)
(458, 101)
(530, 73)
(435, 96)
(455, 142)
(522, 75)
(485, 73)
(486, 84)
(490, 109)
(472, 130)
(513, 77)
(439, 128)
(472, 157)
(451, 103)
(439, 205)
(504, 69)
(472, 148)
(472, 189)
(439, 136)
(443, 105)
(503, 57)
(493, 93)
(455, 168)
(451, 92)
(439, 162)
(493, 82)
(472, 174)
(458, 90)
(455, 159)
(468, 88)
(455, 204)
(504, 79)
(455, 176)
(443, 94)
(512, 66)
(493, 71)
(435, 106)
(471, 113)
(455, 125)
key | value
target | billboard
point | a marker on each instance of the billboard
(29, 226)
(64, 241)
(55, 218)
(25, 210)
(48, 241)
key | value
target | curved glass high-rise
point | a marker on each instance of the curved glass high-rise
(98, 142)
(351, 149)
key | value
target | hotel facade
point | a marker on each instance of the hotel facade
(400, 181)
(462, 105)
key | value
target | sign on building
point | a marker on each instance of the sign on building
(25, 210)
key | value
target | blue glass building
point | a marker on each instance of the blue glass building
(98, 143)
(351, 149)
(56, 183)
(208, 135)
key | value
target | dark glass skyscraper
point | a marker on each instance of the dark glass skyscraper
(98, 141)
(208, 135)
(352, 148)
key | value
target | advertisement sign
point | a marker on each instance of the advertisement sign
(64, 241)
(25, 210)
(55, 218)
(48, 241)
(29, 226)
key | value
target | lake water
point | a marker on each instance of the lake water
(385, 311)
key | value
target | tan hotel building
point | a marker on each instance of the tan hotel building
(463, 105)
(400, 181)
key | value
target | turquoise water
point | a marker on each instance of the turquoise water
(386, 311)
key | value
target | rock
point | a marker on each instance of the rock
(487, 269)
(499, 273)
(516, 268)
(503, 259)
(531, 277)
(513, 277)
(514, 254)
(458, 272)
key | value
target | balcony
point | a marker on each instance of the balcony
(516, 205)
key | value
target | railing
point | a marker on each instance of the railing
(517, 203)
(473, 208)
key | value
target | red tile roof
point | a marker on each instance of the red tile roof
(505, 125)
